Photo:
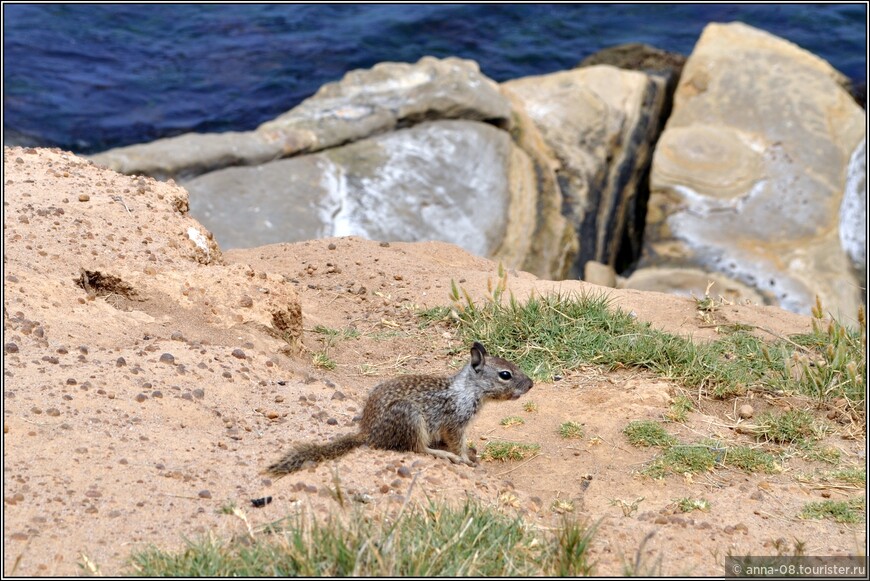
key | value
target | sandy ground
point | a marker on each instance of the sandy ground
(134, 413)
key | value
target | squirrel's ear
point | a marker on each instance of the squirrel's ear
(478, 356)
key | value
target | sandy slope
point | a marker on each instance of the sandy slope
(111, 444)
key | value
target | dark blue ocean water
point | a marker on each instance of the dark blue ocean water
(91, 77)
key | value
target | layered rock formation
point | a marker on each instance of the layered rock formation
(600, 123)
(364, 103)
(749, 175)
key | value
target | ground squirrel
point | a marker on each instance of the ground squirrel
(415, 412)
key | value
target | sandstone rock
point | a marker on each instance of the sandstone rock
(552, 246)
(444, 180)
(363, 103)
(748, 176)
(636, 56)
(389, 95)
(600, 274)
(192, 154)
(599, 122)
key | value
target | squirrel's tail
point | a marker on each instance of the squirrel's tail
(302, 453)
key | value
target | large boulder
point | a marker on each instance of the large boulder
(363, 103)
(600, 122)
(440, 180)
(749, 175)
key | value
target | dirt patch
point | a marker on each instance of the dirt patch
(124, 428)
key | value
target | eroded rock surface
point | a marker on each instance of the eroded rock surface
(443, 180)
(748, 177)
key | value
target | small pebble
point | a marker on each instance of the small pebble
(261, 502)
(84, 197)
(746, 411)
(167, 358)
(204, 494)
(199, 393)
(10, 348)
(238, 354)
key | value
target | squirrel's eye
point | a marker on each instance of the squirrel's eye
(505, 375)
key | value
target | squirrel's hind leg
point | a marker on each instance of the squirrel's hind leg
(456, 443)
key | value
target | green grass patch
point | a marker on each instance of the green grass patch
(690, 504)
(842, 511)
(504, 451)
(434, 315)
(571, 430)
(797, 427)
(751, 460)
(826, 455)
(682, 459)
(679, 409)
(435, 541)
(645, 433)
(856, 476)
(551, 334)
(512, 421)
(322, 360)
(835, 363)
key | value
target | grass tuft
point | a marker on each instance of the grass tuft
(682, 459)
(504, 451)
(433, 541)
(796, 427)
(751, 460)
(512, 421)
(571, 430)
(679, 409)
(842, 511)
(690, 504)
(646, 433)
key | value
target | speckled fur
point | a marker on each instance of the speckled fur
(415, 412)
